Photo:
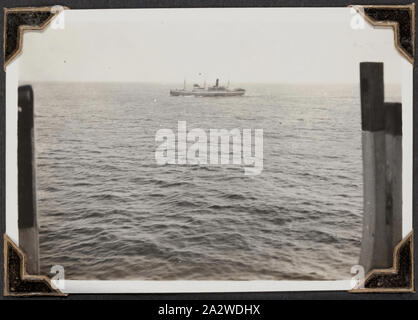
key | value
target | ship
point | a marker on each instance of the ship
(213, 91)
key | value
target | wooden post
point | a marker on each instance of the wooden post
(393, 139)
(381, 125)
(27, 216)
(375, 252)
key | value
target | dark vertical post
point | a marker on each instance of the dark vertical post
(375, 250)
(27, 216)
(393, 139)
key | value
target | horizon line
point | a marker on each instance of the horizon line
(180, 82)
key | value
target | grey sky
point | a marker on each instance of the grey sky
(314, 45)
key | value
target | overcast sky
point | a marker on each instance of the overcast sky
(283, 45)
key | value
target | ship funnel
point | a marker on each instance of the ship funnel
(217, 83)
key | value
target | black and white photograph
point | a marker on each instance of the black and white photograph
(211, 149)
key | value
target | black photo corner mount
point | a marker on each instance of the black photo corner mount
(16, 281)
(401, 18)
(16, 20)
(399, 278)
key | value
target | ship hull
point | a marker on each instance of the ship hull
(207, 93)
